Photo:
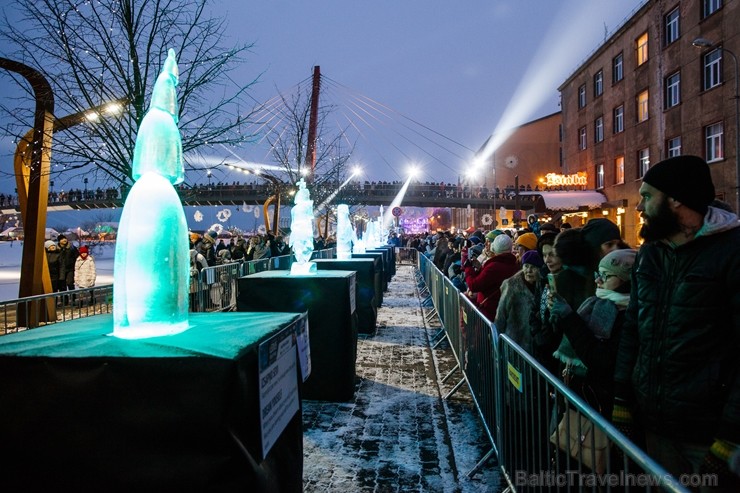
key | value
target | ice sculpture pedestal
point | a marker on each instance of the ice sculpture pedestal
(367, 310)
(378, 257)
(86, 411)
(329, 299)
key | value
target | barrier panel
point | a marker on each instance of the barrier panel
(522, 405)
(406, 256)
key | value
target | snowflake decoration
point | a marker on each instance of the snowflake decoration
(486, 219)
(261, 229)
(198, 216)
(256, 212)
(247, 208)
(223, 215)
(217, 228)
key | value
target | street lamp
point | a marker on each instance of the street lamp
(705, 43)
(209, 179)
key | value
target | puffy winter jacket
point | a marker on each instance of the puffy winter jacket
(487, 281)
(680, 347)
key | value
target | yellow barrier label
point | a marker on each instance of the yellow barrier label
(447, 291)
(515, 377)
(465, 316)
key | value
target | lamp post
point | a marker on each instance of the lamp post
(209, 179)
(705, 43)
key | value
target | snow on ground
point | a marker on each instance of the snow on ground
(11, 253)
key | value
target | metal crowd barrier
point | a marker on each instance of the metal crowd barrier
(214, 289)
(521, 405)
(406, 256)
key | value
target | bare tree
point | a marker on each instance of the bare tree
(288, 140)
(96, 52)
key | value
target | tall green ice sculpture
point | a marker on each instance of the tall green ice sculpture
(150, 272)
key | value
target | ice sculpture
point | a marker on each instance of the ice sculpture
(301, 231)
(345, 233)
(151, 267)
(369, 235)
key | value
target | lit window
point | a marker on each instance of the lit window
(672, 90)
(618, 119)
(642, 106)
(582, 96)
(599, 83)
(600, 176)
(712, 69)
(582, 138)
(599, 129)
(672, 28)
(619, 170)
(674, 147)
(618, 68)
(709, 7)
(715, 142)
(642, 49)
(643, 162)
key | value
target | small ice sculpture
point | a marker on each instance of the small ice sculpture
(301, 231)
(345, 233)
(151, 267)
(369, 235)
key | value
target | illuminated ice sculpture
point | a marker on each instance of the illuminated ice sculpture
(301, 231)
(151, 267)
(345, 233)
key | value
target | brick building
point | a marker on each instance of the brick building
(649, 93)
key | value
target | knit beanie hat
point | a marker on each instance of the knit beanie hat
(533, 258)
(491, 235)
(84, 249)
(618, 263)
(502, 244)
(210, 236)
(474, 240)
(49, 243)
(684, 178)
(527, 240)
(600, 230)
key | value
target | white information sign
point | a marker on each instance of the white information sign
(278, 385)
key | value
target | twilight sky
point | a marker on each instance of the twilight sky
(422, 81)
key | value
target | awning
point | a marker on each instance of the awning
(569, 201)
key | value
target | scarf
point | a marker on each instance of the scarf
(600, 313)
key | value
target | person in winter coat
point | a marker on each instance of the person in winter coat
(197, 288)
(677, 364)
(85, 272)
(518, 301)
(67, 256)
(588, 349)
(486, 280)
(52, 259)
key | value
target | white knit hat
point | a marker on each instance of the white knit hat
(502, 244)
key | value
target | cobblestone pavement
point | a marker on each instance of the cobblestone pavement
(398, 434)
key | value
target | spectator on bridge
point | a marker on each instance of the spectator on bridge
(678, 362)
(486, 280)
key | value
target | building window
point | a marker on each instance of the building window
(619, 170)
(713, 135)
(641, 46)
(582, 96)
(709, 7)
(582, 138)
(674, 147)
(599, 83)
(599, 176)
(672, 90)
(672, 28)
(618, 68)
(643, 162)
(618, 119)
(642, 106)
(599, 129)
(712, 69)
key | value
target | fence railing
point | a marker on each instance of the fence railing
(545, 437)
(213, 290)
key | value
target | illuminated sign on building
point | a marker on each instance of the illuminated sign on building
(554, 179)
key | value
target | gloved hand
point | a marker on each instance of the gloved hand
(717, 462)
(622, 418)
(559, 308)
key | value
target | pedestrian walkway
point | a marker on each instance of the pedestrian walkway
(397, 434)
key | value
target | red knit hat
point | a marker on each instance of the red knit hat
(84, 249)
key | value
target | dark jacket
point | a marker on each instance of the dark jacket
(67, 258)
(679, 353)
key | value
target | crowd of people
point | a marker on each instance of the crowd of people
(649, 338)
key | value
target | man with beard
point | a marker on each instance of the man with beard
(677, 366)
